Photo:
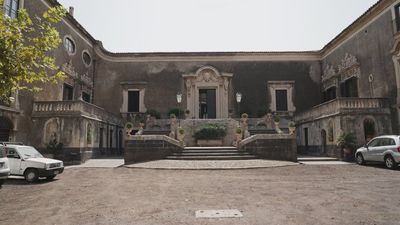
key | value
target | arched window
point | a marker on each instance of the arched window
(69, 45)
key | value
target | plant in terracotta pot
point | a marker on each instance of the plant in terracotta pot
(210, 134)
(181, 134)
(292, 127)
(347, 142)
(239, 134)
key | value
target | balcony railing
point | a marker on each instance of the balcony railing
(344, 106)
(73, 108)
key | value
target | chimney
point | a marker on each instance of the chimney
(71, 11)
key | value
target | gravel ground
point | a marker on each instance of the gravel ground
(303, 194)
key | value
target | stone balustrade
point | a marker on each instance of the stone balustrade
(73, 108)
(343, 106)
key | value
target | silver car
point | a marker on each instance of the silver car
(384, 149)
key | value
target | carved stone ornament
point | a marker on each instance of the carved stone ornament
(87, 80)
(333, 82)
(349, 61)
(349, 68)
(208, 75)
(329, 72)
(69, 69)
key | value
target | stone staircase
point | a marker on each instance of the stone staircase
(211, 153)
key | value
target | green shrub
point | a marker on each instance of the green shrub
(245, 115)
(346, 140)
(277, 119)
(211, 131)
(153, 113)
(291, 124)
(181, 130)
(177, 112)
(238, 130)
(172, 116)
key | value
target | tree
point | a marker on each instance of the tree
(25, 46)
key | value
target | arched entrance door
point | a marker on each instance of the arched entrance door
(6, 127)
(369, 129)
(323, 140)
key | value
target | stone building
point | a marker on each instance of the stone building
(352, 85)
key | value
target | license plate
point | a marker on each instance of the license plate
(56, 172)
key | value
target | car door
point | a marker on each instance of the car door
(385, 145)
(371, 148)
(14, 161)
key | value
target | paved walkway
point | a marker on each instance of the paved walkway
(210, 164)
(100, 163)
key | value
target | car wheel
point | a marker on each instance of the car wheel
(31, 175)
(390, 163)
(360, 159)
(50, 177)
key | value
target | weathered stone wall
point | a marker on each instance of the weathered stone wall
(271, 146)
(149, 147)
(163, 80)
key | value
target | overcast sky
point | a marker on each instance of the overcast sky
(216, 25)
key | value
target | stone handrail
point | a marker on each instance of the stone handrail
(341, 105)
(80, 107)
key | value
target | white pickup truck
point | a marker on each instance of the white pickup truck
(4, 169)
(28, 162)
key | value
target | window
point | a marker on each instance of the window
(68, 93)
(329, 94)
(133, 101)
(282, 96)
(87, 59)
(281, 100)
(349, 88)
(397, 17)
(374, 143)
(11, 8)
(69, 45)
(86, 97)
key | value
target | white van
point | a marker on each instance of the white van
(4, 168)
(28, 162)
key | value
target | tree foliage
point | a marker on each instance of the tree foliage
(25, 50)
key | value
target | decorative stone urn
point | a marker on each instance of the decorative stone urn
(292, 127)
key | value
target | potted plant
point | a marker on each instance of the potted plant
(239, 134)
(245, 116)
(277, 120)
(210, 134)
(128, 128)
(187, 113)
(292, 127)
(347, 142)
(181, 134)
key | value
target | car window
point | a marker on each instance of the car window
(374, 143)
(12, 153)
(2, 152)
(392, 142)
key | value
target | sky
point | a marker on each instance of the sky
(216, 25)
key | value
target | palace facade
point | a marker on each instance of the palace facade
(352, 85)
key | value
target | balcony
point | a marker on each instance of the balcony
(344, 106)
(77, 108)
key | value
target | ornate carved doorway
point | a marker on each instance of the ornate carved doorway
(207, 93)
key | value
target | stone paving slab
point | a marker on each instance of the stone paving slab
(210, 164)
(100, 163)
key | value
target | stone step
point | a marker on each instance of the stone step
(211, 148)
(210, 151)
(211, 154)
(211, 157)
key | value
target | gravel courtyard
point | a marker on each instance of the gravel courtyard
(337, 194)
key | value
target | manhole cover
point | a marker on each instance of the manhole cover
(225, 213)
